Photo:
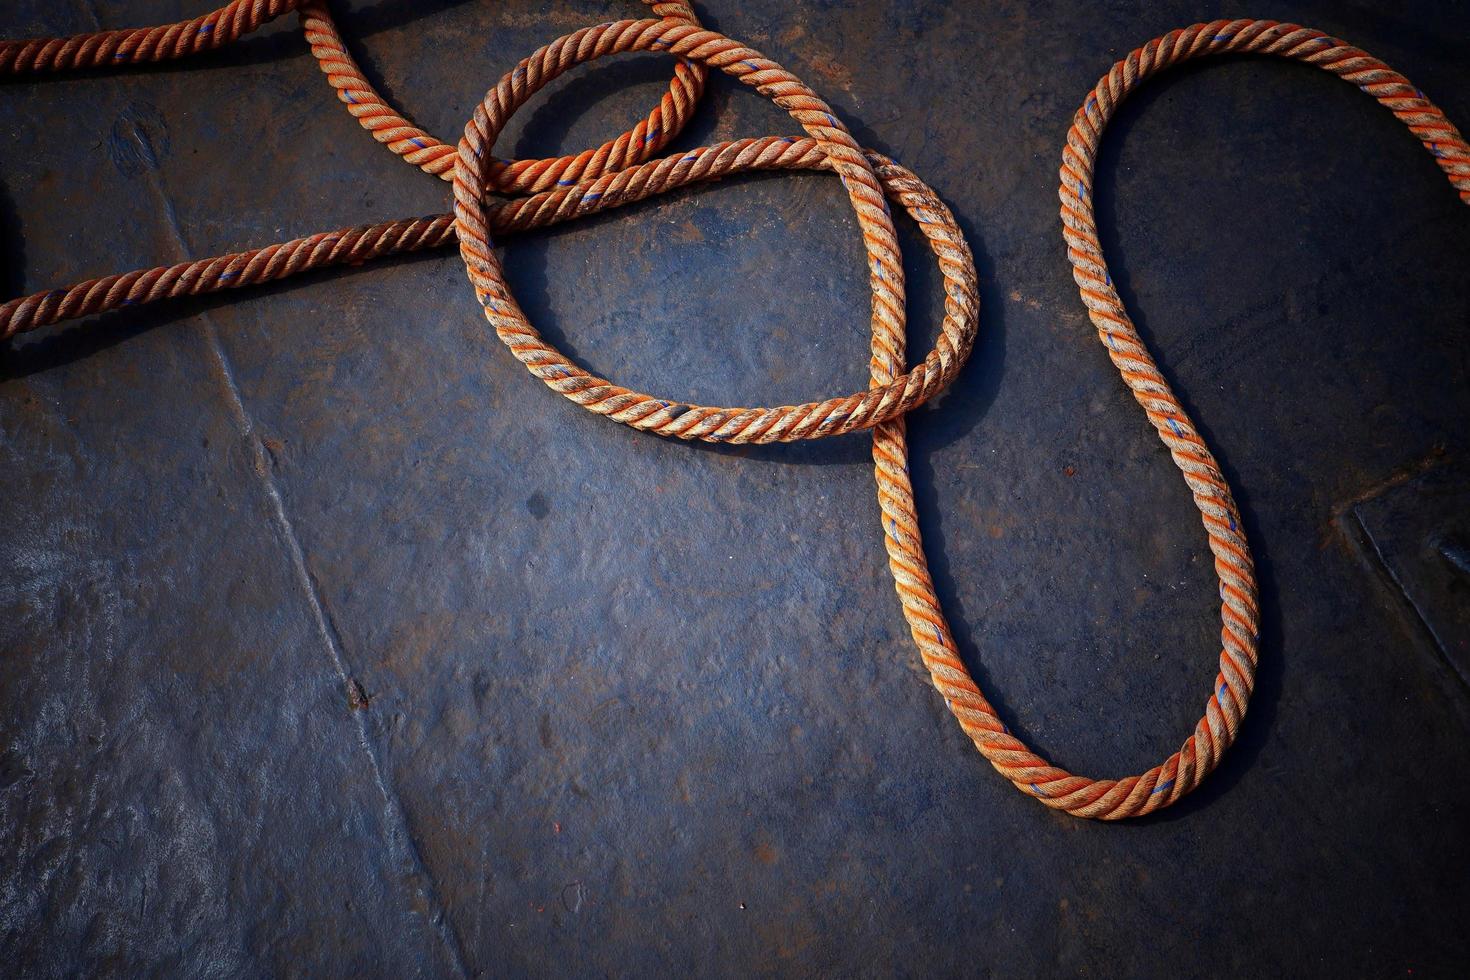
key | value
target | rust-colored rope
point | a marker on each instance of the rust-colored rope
(138, 45)
(617, 174)
(364, 243)
(1181, 772)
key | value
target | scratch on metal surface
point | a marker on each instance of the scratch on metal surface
(326, 628)
(1401, 475)
(1360, 538)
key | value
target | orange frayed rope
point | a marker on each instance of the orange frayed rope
(623, 170)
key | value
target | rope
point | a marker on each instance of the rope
(1239, 608)
(138, 45)
(620, 172)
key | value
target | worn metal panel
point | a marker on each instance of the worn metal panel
(356, 648)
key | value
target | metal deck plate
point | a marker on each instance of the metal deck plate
(333, 642)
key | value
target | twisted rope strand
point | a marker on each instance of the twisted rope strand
(1239, 606)
(620, 172)
(138, 45)
(365, 243)
(1181, 772)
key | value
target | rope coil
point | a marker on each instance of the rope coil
(622, 171)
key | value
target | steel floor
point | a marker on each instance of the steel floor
(334, 643)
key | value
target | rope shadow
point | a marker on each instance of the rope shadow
(12, 246)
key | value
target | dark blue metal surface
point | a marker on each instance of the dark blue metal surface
(335, 643)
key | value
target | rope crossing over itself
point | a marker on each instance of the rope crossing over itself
(623, 171)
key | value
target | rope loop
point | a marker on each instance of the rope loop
(832, 416)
